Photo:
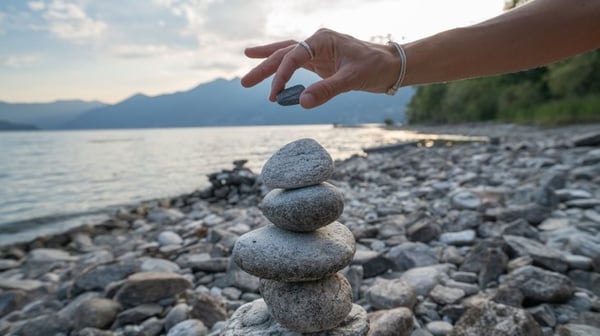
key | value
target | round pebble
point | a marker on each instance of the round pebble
(465, 200)
(308, 306)
(188, 328)
(304, 209)
(169, 238)
(277, 254)
(298, 164)
(439, 328)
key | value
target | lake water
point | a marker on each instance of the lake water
(51, 181)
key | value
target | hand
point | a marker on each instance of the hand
(344, 63)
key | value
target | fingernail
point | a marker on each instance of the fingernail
(307, 100)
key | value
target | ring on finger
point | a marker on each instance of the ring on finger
(308, 49)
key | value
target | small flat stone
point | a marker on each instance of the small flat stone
(465, 237)
(290, 96)
(309, 306)
(303, 209)
(298, 164)
(439, 328)
(540, 285)
(149, 287)
(465, 200)
(188, 328)
(587, 139)
(397, 321)
(277, 254)
(387, 294)
(96, 313)
(253, 319)
(496, 319)
(541, 254)
(169, 238)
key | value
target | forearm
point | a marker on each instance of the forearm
(536, 34)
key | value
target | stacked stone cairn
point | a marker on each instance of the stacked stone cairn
(298, 256)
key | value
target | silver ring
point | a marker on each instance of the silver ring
(307, 47)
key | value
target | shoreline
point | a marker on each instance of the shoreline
(432, 217)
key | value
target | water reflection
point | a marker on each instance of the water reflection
(45, 174)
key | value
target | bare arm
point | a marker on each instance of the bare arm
(535, 34)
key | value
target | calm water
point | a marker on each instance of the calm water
(50, 181)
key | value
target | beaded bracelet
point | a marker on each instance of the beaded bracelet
(392, 91)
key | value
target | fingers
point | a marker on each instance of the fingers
(267, 50)
(322, 91)
(266, 68)
(294, 59)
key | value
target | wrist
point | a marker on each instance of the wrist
(399, 64)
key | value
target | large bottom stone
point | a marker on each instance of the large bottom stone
(308, 306)
(253, 319)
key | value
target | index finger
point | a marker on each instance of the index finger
(266, 50)
(291, 62)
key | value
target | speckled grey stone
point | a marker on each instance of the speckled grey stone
(304, 209)
(277, 254)
(309, 306)
(253, 319)
(298, 164)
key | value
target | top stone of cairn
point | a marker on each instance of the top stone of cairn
(300, 163)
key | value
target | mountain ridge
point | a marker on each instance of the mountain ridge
(224, 102)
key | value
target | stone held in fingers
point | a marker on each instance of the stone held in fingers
(277, 254)
(309, 306)
(290, 96)
(304, 209)
(300, 163)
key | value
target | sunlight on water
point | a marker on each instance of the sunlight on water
(53, 175)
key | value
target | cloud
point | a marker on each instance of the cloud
(19, 61)
(69, 21)
(140, 50)
(213, 21)
(36, 5)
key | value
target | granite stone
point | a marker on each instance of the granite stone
(298, 164)
(277, 254)
(304, 209)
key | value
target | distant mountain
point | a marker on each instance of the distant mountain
(45, 115)
(9, 126)
(227, 103)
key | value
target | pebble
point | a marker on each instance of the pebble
(290, 96)
(253, 318)
(397, 321)
(465, 200)
(541, 285)
(439, 328)
(303, 209)
(298, 164)
(308, 306)
(149, 287)
(386, 294)
(188, 328)
(390, 198)
(169, 238)
(276, 254)
(490, 319)
(459, 238)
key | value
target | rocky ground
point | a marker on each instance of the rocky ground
(498, 238)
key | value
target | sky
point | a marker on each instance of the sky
(109, 50)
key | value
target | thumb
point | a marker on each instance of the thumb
(322, 91)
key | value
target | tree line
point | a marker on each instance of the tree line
(561, 93)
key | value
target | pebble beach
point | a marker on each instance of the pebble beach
(498, 237)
